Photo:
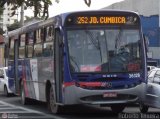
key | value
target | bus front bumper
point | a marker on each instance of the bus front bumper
(77, 95)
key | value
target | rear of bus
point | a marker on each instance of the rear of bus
(105, 59)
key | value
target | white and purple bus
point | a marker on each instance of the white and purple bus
(87, 57)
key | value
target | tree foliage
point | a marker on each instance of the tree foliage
(1, 6)
(1, 10)
(14, 26)
(2, 2)
(28, 20)
(1, 31)
(87, 2)
(40, 6)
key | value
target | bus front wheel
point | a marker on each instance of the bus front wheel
(53, 107)
(143, 108)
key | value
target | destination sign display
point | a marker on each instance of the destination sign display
(102, 20)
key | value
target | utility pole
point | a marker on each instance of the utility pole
(22, 14)
(17, 86)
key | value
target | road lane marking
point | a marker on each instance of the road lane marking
(35, 117)
(12, 112)
(8, 108)
(28, 110)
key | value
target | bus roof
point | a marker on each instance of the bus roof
(102, 10)
(60, 19)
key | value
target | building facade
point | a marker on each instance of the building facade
(5, 20)
(149, 10)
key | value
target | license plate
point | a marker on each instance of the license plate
(110, 94)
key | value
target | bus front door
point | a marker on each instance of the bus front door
(58, 66)
(13, 65)
(16, 66)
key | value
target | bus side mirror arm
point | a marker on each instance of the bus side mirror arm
(146, 42)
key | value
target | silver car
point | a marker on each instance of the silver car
(4, 81)
(152, 97)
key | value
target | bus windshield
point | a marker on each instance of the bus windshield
(104, 50)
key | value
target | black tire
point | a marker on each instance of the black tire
(6, 91)
(52, 106)
(24, 100)
(117, 108)
(143, 108)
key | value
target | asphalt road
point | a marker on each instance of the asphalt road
(12, 108)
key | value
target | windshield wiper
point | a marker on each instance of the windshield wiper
(90, 34)
(74, 61)
(94, 40)
(118, 38)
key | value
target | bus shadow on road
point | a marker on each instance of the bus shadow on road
(85, 111)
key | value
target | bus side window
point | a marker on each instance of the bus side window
(39, 35)
(22, 46)
(29, 51)
(49, 33)
(29, 44)
(30, 38)
(48, 49)
(38, 50)
(21, 52)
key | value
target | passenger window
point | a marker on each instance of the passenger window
(39, 35)
(22, 46)
(22, 39)
(49, 33)
(48, 49)
(37, 50)
(30, 38)
(29, 51)
(21, 52)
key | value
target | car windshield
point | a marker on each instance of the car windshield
(108, 50)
